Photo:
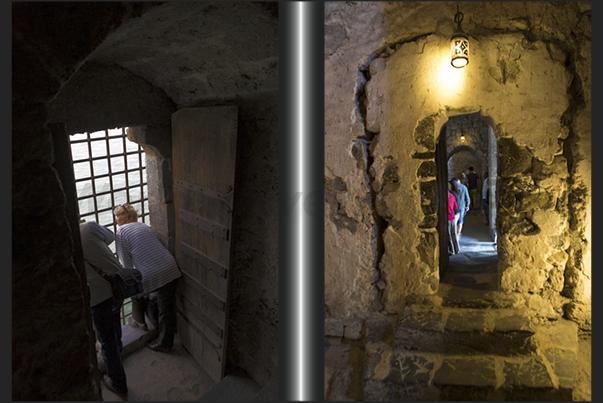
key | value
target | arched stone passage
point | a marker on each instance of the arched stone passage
(384, 188)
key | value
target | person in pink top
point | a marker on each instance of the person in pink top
(453, 244)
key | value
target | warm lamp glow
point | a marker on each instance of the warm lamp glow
(448, 83)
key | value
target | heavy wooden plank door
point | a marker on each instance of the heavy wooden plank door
(204, 143)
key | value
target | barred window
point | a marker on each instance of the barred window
(109, 170)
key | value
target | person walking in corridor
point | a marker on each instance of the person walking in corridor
(473, 185)
(461, 193)
(453, 245)
(137, 246)
(105, 310)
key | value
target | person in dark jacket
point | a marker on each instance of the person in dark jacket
(104, 309)
(473, 185)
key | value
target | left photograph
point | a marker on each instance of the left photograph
(145, 201)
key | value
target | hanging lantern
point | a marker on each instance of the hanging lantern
(459, 43)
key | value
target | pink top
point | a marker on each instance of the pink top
(451, 206)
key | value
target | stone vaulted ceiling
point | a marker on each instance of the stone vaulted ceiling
(197, 51)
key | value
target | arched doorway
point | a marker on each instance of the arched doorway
(468, 141)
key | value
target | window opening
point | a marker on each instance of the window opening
(109, 170)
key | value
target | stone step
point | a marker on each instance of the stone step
(546, 372)
(453, 296)
(464, 331)
(407, 376)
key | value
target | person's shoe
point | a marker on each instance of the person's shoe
(158, 347)
(137, 325)
(107, 383)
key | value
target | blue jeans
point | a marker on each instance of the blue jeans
(107, 325)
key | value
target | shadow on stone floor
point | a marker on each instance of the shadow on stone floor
(155, 376)
(475, 266)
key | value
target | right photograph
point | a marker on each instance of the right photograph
(458, 200)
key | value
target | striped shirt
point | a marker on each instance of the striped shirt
(137, 246)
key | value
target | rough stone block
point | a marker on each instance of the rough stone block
(534, 201)
(353, 329)
(425, 133)
(558, 166)
(467, 321)
(338, 372)
(419, 320)
(377, 66)
(423, 156)
(429, 221)
(357, 129)
(564, 365)
(513, 159)
(378, 361)
(427, 169)
(333, 327)
(427, 248)
(379, 329)
(428, 197)
(563, 334)
(360, 155)
(411, 368)
(513, 323)
(532, 373)
(469, 371)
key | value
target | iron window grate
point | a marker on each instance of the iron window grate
(109, 170)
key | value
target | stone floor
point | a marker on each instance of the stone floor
(176, 376)
(475, 265)
(155, 376)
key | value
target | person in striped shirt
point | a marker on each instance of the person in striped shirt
(137, 247)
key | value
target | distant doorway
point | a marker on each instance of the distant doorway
(466, 141)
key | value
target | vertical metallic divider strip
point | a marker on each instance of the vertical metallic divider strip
(301, 184)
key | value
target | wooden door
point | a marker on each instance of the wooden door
(204, 142)
(442, 198)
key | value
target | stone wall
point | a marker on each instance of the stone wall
(390, 89)
(51, 326)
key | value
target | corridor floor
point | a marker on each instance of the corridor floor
(475, 265)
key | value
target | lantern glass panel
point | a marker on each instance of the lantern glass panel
(459, 48)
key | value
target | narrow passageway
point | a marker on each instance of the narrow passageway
(475, 265)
